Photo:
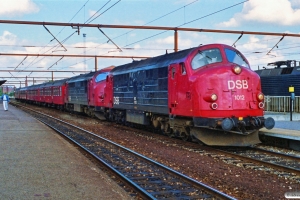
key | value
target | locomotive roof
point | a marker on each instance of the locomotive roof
(81, 77)
(48, 84)
(278, 64)
(42, 85)
(33, 86)
(155, 62)
(60, 82)
(278, 70)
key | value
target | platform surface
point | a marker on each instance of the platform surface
(37, 163)
(284, 127)
(283, 117)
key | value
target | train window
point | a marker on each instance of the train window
(101, 77)
(183, 70)
(236, 57)
(173, 72)
(206, 57)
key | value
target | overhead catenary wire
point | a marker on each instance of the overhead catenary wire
(159, 17)
(91, 18)
(103, 12)
(178, 26)
(32, 63)
(155, 20)
(55, 63)
(110, 40)
(21, 62)
(55, 38)
(87, 21)
(57, 45)
(64, 26)
(189, 22)
(185, 23)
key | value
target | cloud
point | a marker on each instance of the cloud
(254, 43)
(256, 48)
(92, 13)
(279, 12)
(167, 40)
(8, 38)
(17, 7)
(78, 66)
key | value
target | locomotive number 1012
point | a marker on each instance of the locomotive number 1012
(239, 97)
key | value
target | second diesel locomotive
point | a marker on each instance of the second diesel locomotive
(275, 81)
(207, 93)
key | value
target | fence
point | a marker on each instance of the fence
(281, 104)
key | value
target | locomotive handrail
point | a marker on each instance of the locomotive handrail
(281, 104)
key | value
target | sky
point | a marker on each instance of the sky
(279, 16)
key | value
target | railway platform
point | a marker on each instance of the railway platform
(286, 133)
(37, 163)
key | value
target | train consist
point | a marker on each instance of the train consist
(275, 81)
(208, 93)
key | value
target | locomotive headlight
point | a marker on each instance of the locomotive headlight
(237, 69)
(260, 96)
(214, 97)
(210, 97)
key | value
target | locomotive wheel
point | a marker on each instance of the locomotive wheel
(168, 131)
(186, 134)
(169, 134)
(185, 137)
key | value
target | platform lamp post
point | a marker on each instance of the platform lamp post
(291, 90)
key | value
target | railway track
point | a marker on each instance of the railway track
(287, 165)
(149, 179)
(283, 165)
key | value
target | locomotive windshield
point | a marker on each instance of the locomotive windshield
(206, 57)
(236, 57)
(101, 77)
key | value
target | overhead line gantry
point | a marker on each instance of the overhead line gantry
(100, 26)
(165, 28)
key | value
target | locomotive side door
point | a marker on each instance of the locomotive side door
(172, 88)
(180, 102)
(91, 94)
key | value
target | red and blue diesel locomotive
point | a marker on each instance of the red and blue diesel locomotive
(207, 93)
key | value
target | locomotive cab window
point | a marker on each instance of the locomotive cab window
(236, 57)
(206, 57)
(101, 77)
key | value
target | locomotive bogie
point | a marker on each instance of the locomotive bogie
(180, 127)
